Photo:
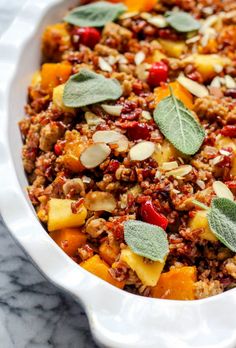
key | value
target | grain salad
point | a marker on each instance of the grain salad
(129, 143)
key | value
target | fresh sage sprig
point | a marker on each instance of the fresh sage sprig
(95, 15)
(178, 125)
(182, 21)
(87, 87)
(222, 221)
(146, 240)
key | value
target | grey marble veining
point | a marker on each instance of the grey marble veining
(33, 313)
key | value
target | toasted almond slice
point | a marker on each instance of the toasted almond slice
(139, 57)
(193, 87)
(229, 82)
(222, 191)
(123, 144)
(103, 65)
(98, 201)
(216, 82)
(114, 110)
(92, 119)
(218, 68)
(158, 21)
(146, 115)
(142, 71)
(169, 165)
(94, 155)
(106, 136)
(201, 184)
(128, 15)
(142, 151)
(180, 171)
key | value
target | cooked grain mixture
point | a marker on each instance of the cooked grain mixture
(130, 144)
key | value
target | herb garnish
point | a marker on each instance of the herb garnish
(146, 240)
(87, 87)
(182, 21)
(178, 125)
(95, 15)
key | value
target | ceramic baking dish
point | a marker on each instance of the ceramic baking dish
(117, 319)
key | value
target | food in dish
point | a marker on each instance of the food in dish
(129, 145)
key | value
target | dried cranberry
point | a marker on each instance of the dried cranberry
(158, 73)
(86, 36)
(138, 131)
(112, 166)
(57, 149)
(150, 215)
(231, 184)
(231, 93)
(229, 131)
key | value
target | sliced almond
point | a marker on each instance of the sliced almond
(142, 151)
(201, 184)
(193, 87)
(92, 119)
(94, 155)
(193, 39)
(146, 115)
(122, 144)
(114, 110)
(222, 191)
(103, 65)
(216, 82)
(180, 171)
(106, 136)
(145, 15)
(100, 201)
(139, 58)
(157, 21)
(142, 71)
(229, 82)
(218, 68)
(128, 15)
(169, 165)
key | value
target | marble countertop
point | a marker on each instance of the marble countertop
(33, 313)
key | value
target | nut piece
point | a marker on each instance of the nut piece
(123, 144)
(94, 155)
(142, 151)
(222, 191)
(180, 171)
(98, 201)
(169, 165)
(106, 136)
(114, 110)
(139, 58)
(158, 21)
(92, 119)
(103, 65)
(193, 87)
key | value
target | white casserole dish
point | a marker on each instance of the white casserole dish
(117, 319)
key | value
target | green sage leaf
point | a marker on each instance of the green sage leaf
(222, 221)
(178, 125)
(146, 240)
(182, 21)
(96, 14)
(87, 87)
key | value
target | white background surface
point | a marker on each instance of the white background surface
(33, 313)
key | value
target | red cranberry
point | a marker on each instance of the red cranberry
(86, 36)
(138, 131)
(112, 166)
(229, 131)
(158, 73)
(150, 215)
(231, 184)
(231, 93)
(57, 149)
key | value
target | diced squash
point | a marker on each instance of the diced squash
(177, 284)
(74, 146)
(148, 273)
(139, 6)
(165, 153)
(157, 56)
(55, 40)
(98, 267)
(35, 85)
(54, 74)
(108, 252)
(60, 214)
(224, 142)
(57, 99)
(207, 64)
(200, 221)
(69, 239)
(179, 92)
(173, 48)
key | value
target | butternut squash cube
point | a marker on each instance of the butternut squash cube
(60, 214)
(54, 74)
(177, 284)
(173, 48)
(69, 239)
(207, 64)
(108, 252)
(179, 92)
(98, 267)
(200, 221)
(165, 153)
(57, 99)
(148, 273)
(139, 6)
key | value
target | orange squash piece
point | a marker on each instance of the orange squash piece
(99, 268)
(140, 5)
(108, 252)
(69, 239)
(179, 91)
(177, 284)
(54, 74)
